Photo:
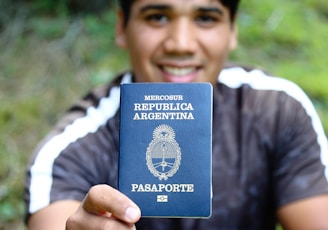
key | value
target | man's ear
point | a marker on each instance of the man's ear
(234, 37)
(120, 37)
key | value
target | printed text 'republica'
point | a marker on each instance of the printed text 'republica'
(163, 111)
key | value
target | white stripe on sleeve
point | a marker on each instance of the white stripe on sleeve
(235, 77)
(41, 170)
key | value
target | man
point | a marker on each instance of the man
(269, 148)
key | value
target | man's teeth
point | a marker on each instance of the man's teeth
(178, 71)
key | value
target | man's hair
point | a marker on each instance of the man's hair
(232, 5)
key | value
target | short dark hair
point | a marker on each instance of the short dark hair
(232, 5)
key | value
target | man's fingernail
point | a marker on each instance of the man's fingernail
(132, 214)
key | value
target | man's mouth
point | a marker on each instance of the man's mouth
(179, 74)
(178, 71)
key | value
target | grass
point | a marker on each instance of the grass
(49, 61)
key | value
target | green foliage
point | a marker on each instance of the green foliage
(287, 38)
(50, 58)
(58, 7)
(279, 227)
(67, 7)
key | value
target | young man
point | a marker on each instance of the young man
(269, 149)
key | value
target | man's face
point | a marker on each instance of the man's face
(177, 40)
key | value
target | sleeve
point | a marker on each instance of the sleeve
(76, 154)
(85, 163)
(301, 152)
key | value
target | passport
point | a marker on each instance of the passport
(165, 152)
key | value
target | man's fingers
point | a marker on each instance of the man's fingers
(103, 199)
(104, 208)
(88, 221)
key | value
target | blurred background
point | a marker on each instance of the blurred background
(53, 51)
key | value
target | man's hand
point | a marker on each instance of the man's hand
(310, 213)
(104, 208)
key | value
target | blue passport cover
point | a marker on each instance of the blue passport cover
(166, 148)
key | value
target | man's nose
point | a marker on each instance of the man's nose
(181, 37)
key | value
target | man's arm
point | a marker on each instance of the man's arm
(102, 208)
(305, 214)
(54, 216)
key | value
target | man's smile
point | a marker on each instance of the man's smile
(179, 74)
(178, 71)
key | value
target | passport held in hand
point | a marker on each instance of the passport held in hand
(165, 148)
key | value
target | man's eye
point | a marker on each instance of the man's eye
(157, 18)
(206, 19)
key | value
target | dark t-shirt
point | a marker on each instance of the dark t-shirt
(269, 149)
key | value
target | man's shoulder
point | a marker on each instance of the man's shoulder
(259, 81)
(100, 99)
(104, 90)
(89, 113)
(262, 91)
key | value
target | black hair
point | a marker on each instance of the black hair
(232, 5)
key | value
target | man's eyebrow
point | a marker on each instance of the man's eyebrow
(200, 9)
(154, 7)
(209, 10)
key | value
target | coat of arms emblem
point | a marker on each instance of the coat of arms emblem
(163, 153)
